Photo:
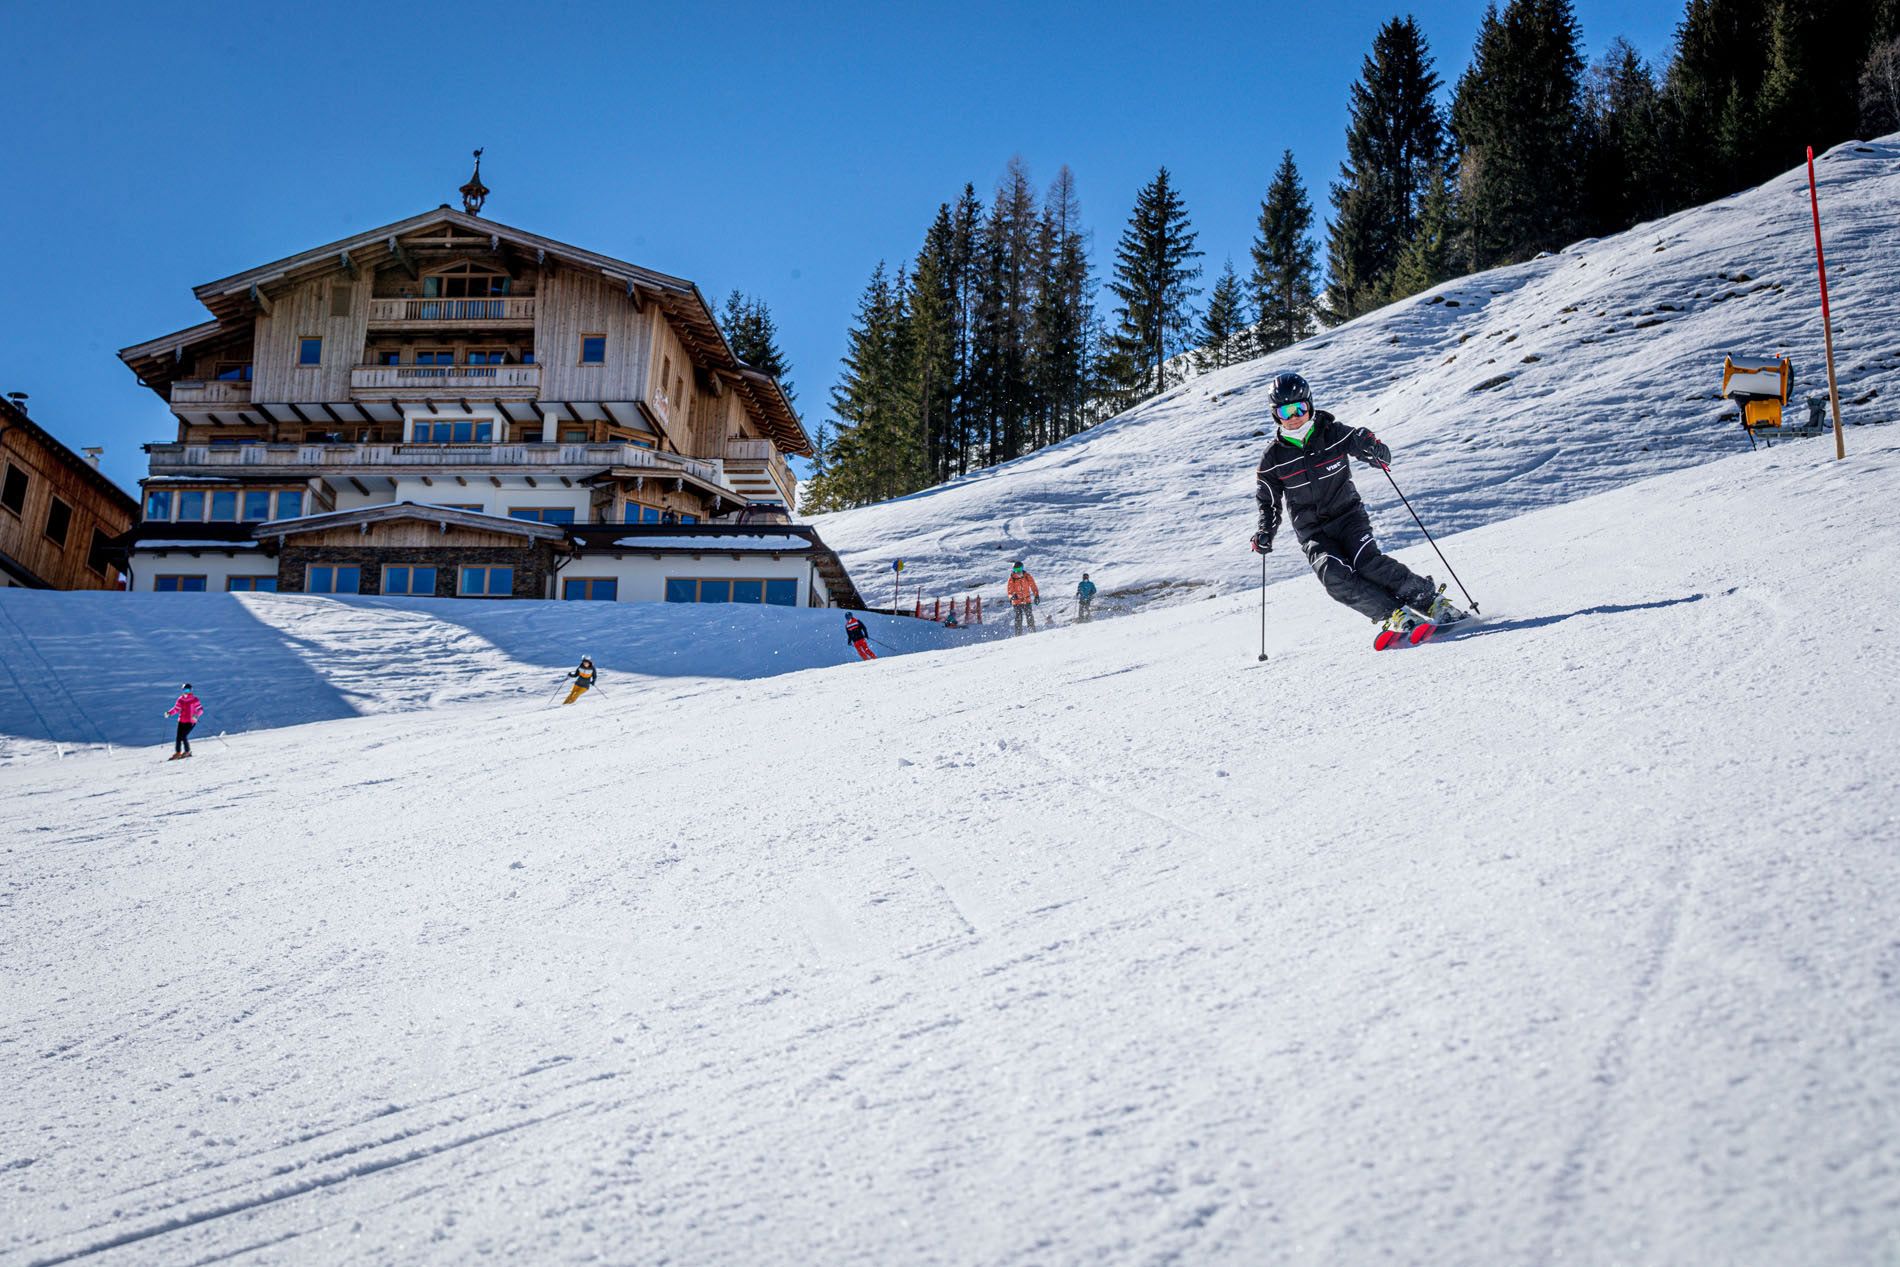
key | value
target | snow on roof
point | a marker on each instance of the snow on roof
(715, 545)
(195, 545)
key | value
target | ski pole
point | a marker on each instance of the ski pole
(1428, 536)
(603, 694)
(557, 690)
(1263, 604)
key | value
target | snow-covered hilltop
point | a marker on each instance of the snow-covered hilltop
(1499, 393)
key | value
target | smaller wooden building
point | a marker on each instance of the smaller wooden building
(59, 514)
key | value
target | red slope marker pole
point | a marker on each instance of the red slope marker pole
(1827, 322)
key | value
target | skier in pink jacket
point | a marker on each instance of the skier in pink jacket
(187, 710)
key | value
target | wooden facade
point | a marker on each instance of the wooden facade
(58, 513)
(447, 360)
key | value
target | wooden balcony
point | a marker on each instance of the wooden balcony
(525, 380)
(305, 460)
(192, 391)
(757, 469)
(400, 314)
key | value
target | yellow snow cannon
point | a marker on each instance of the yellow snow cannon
(1759, 385)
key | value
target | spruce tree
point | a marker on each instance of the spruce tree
(1224, 337)
(1060, 348)
(879, 452)
(1284, 278)
(1625, 177)
(933, 318)
(1518, 120)
(1395, 138)
(753, 337)
(1154, 281)
(1880, 89)
(1428, 258)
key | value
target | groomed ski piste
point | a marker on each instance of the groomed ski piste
(1567, 936)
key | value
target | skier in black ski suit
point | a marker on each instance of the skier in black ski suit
(1306, 467)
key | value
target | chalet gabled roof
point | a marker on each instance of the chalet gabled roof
(385, 512)
(13, 418)
(235, 299)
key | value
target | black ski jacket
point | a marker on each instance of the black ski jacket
(1314, 480)
(854, 631)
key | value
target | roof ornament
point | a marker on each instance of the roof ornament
(474, 193)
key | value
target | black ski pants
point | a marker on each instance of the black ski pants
(183, 742)
(1019, 613)
(1350, 566)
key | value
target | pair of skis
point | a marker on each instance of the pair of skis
(1407, 626)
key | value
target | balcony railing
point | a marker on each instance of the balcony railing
(397, 311)
(308, 459)
(747, 457)
(192, 391)
(372, 377)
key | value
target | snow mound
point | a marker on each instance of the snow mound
(85, 669)
(1499, 394)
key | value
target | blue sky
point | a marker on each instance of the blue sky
(780, 149)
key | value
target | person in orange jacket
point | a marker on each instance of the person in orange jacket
(1023, 597)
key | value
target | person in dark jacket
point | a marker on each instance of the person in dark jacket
(583, 676)
(856, 634)
(1306, 470)
(1084, 598)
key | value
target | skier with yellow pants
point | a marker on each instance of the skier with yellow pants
(583, 678)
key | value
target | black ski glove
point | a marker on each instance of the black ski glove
(1381, 453)
(1263, 543)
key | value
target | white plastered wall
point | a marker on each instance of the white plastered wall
(214, 565)
(642, 577)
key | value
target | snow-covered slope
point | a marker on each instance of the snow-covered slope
(94, 669)
(1499, 393)
(1570, 939)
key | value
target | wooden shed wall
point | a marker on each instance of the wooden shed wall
(23, 536)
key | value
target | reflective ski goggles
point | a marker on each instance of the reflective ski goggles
(1291, 410)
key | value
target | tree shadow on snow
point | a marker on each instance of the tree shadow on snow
(1481, 628)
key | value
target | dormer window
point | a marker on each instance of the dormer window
(465, 281)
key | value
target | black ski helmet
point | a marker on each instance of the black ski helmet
(1290, 387)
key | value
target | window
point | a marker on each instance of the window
(435, 357)
(179, 584)
(590, 589)
(487, 357)
(59, 521)
(387, 358)
(574, 435)
(638, 514)
(13, 493)
(464, 281)
(408, 579)
(310, 350)
(527, 358)
(773, 593)
(96, 557)
(689, 519)
(341, 297)
(256, 506)
(488, 581)
(224, 507)
(452, 431)
(328, 579)
(234, 371)
(593, 349)
(191, 505)
(543, 514)
(158, 506)
(250, 584)
(289, 505)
